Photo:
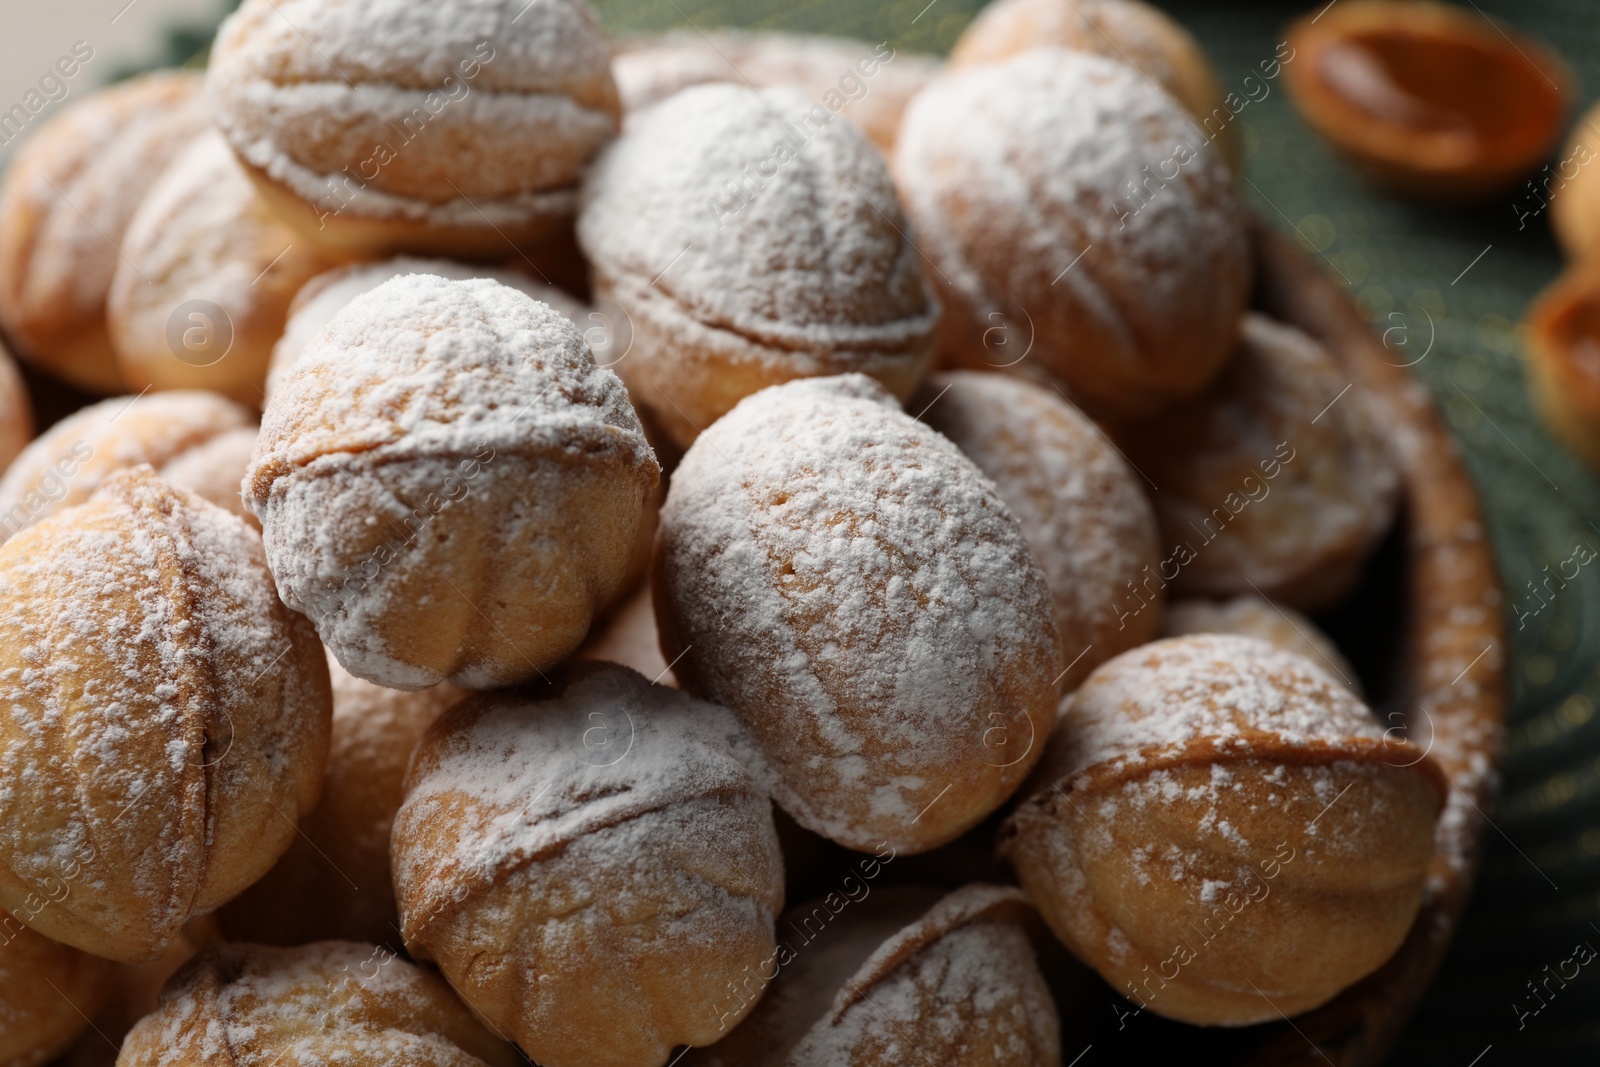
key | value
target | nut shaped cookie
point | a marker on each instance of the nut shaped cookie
(752, 238)
(1225, 832)
(854, 587)
(1138, 34)
(448, 485)
(594, 840)
(1077, 233)
(68, 197)
(451, 127)
(858, 981)
(327, 1002)
(165, 716)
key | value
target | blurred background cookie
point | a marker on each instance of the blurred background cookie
(67, 201)
(1256, 616)
(1277, 480)
(203, 288)
(16, 412)
(868, 83)
(1139, 34)
(65, 464)
(48, 992)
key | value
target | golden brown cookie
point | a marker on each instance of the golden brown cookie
(65, 465)
(203, 287)
(1073, 231)
(459, 128)
(596, 840)
(1082, 508)
(214, 469)
(1256, 616)
(329, 1002)
(1225, 832)
(333, 883)
(471, 530)
(48, 992)
(1278, 480)
(135, 993)
(856, 589)
(897, 975)
(165, 716)
(1563, 360)
(1571, 190)
(869, 84)
(751, 238)
(324, 296)
(1137, 33)
(16, 412)
(64, 211)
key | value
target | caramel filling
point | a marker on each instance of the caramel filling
(1433, 85)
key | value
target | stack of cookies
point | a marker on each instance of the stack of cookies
(545, 485)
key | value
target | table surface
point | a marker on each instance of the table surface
(1449, 287)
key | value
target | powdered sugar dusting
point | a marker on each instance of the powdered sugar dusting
(425, 366)
(332, 100)
(1225, 691)
(140, 722)
(523, 779)
(326, 1002)
(64, 465)
(958, 985)
(1083, 158)
(1080, 505)
(847, 580)
(816, 258)
(324, 296)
